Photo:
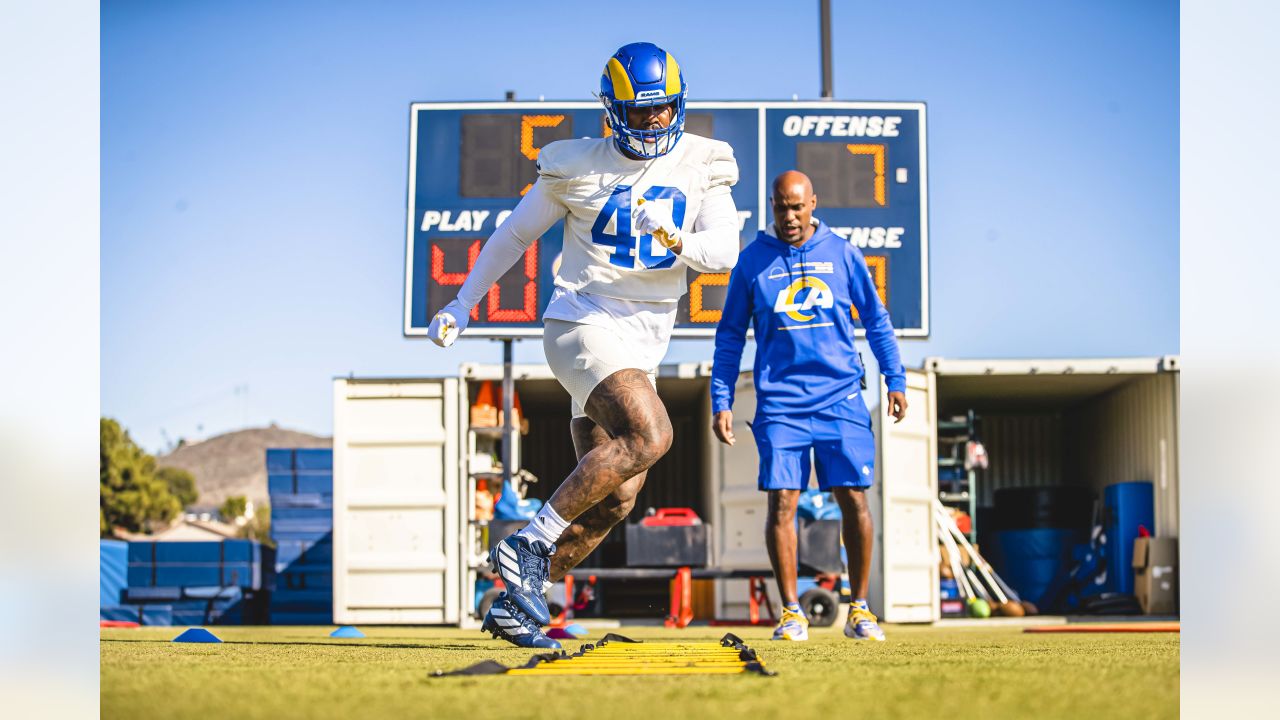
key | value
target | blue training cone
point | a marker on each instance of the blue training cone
(347, 631)
(197, 635)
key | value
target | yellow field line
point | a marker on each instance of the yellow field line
(655, 658)
(720, 670)
(663, 648)
(621, 663)
(666, 646)
(670, 651)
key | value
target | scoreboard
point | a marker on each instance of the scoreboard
(470, 163)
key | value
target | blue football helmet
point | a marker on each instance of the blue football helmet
(641, 75)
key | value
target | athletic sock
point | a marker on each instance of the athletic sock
(795, 608)
(859, 604)
(546, 526)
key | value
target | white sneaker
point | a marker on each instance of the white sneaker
(862, 625)
(793, 626)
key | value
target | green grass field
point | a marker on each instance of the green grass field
(299, 672)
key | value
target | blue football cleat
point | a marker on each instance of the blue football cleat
(524, 567)
(506, 621)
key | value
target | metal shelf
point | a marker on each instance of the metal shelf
(493, 432)
(954, 434)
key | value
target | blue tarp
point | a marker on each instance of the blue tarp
(246, 575)
(303, 600)
(280, 460)
(299, 483)
(311, 554)
(302, 500)
(288, 460)
(313, 459)
(141, 614)
(324, 617)
(298, 579)
(231, 550)
(152, 594)
(171, 595)
(291, 529)
(315, 483)
(113, 569)
(245, 563)
(302, 532)
(320, 514)
(280, 483)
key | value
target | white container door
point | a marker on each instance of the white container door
(738, 508)
(396, 501)
(908, 487)
(742, 505)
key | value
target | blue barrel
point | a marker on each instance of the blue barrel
(1127, 505)
(1031, 560)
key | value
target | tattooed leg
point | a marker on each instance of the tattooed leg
(637, 433)
(590, 528)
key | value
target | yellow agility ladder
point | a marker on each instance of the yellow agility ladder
(619, 655)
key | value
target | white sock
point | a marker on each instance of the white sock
(546, 526)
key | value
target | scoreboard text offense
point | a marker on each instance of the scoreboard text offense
(470, 163)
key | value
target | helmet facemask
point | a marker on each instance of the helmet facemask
(645, 143)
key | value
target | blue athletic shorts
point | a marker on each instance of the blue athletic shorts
(839, 437)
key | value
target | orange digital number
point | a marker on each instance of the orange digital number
(528, 311)
(879, 267)
(697, 312)
(527, 124)
(877, 154)
(443, 278)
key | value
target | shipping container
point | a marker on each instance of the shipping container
(1088, 423)
(397, 550)
(408, 544)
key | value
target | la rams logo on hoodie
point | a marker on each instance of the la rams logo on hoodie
(798, 299)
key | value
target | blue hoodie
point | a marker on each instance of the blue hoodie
(799, 300)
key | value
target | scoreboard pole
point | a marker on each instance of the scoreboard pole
(508, 394)
(508, 405)
(824, 32)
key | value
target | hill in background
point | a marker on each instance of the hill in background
(234, 463)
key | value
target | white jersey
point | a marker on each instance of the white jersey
(609, 276)
(600, 189)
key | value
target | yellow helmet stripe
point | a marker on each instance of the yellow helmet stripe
(673, 76)
(622, 88)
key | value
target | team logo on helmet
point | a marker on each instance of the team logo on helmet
(643, 75)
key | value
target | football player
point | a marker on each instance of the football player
(797, 285)
(639, 207)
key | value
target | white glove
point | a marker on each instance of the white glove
(448, 324)
(655, 219)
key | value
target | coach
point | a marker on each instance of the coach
(798, 285)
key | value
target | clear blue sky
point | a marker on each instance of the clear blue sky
(254, 174)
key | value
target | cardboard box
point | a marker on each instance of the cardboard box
(1155, 575)
(488, 416)
(484, 416)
